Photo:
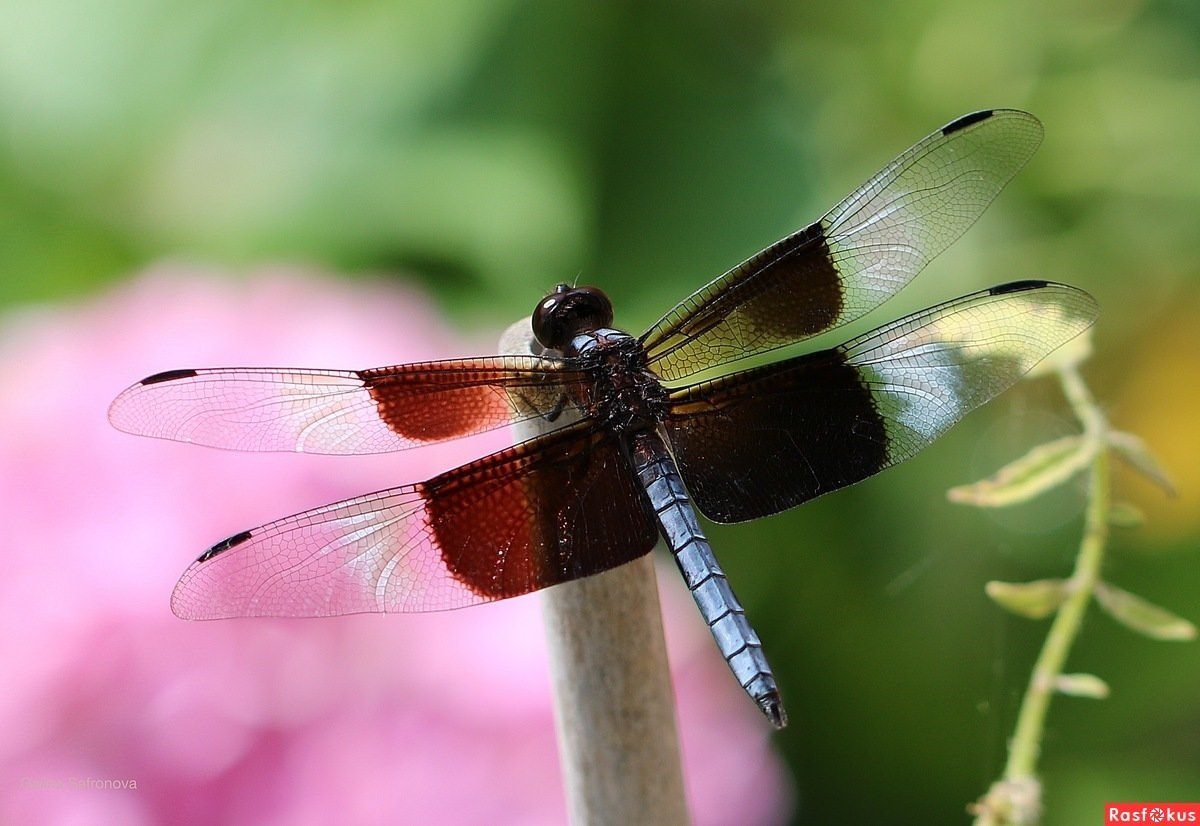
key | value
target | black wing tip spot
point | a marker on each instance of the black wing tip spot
(224, 545)
(967, 120)
(168, 375)
(1018, 287)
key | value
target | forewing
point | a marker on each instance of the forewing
(556, 508)
(347, 411)
(856, 257)
(761, 441)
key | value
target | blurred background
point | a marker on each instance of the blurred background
(351, 184)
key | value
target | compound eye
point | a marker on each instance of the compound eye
(569, 311)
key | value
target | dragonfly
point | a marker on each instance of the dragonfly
(630, 441)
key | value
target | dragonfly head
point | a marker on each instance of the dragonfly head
(568, 311)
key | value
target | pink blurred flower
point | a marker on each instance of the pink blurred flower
(423, 718)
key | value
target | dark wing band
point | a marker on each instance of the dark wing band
(856, 257)
(553, 509)
(761, 441)
(347, 411)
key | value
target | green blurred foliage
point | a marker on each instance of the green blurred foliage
(488, 150)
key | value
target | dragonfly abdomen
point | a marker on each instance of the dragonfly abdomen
(726, 618)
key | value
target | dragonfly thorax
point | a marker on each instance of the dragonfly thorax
(626, 395)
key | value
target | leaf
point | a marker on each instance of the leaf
(1036, 600)
(1038, 470)
(1144, 617)
(1081, 685)
(1125, 515)
(1134, 451)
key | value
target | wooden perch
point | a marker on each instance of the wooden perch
(614, 706)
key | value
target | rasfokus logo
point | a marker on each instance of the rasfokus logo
(1115, 813)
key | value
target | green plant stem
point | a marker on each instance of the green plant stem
(1016, 799)
(1026, 743)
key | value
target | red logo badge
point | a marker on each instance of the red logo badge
(1120, 813)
